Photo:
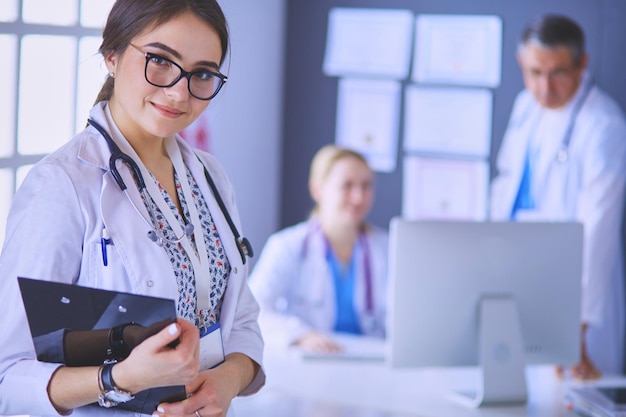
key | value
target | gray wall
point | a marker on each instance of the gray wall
(246, 120)
(310, 97)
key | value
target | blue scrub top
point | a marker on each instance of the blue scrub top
(344, 279)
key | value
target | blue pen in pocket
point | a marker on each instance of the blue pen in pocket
(104, 241)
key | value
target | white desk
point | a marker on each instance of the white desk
(333, 388)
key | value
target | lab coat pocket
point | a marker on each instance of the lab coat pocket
(105, 267)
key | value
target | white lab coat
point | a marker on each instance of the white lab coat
(294, 284)
(589, 188)
(54, 230)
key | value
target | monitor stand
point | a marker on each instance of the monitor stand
(500, 355)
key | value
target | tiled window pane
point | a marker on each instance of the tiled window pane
(6, 194)
(93, 13)
(47, 91)
(91, 75)
(57, 12)
(8, 72)
(8, 11)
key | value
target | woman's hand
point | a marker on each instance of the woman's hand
(135, 333)
(155, 363)
(211, 393)
(317, 342)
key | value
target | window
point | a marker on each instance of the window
(50, 77)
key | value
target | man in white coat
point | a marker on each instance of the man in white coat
(563, 158)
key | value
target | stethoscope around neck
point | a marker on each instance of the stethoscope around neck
(562, 155)
(314, 227)
(243, 245)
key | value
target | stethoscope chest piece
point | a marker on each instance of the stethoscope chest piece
(562, 156)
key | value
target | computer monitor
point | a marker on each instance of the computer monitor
(498, 295)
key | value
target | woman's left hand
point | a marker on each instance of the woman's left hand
(211, 393)
(208, 396)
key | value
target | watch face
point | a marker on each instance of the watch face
(118, 396)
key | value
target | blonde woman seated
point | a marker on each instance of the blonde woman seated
(326, 275)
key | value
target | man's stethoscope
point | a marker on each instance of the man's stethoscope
(562, 155)
(243, 245)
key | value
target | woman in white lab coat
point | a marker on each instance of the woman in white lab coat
(71, 222)
(328, 274)
(581, 180)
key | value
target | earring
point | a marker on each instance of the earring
(111, 74)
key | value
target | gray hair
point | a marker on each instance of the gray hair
(551, 31)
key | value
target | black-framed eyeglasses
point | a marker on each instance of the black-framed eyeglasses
(163, 72)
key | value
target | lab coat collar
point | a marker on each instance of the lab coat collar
(93, 148)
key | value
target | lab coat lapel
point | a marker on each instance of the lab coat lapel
(129, 234)
(316, 279)
(515, 153)
(128, 231)
(95, 150)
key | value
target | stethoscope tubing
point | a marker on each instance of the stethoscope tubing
(563, 153)
(367, 261)
(243, 245)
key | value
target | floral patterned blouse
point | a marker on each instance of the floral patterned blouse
(219, 267)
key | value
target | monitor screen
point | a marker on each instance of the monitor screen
(444, 277)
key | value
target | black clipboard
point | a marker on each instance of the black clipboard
(53, 307)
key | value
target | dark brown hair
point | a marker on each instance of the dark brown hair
(129, 18)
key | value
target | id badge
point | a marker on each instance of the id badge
(211, 348)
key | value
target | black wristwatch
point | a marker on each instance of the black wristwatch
(110, 395)
(118, 349)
